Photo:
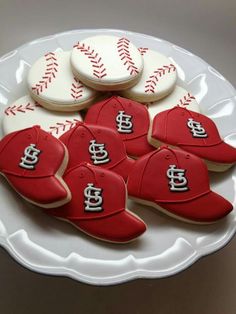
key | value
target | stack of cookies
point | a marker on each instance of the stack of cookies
(104, 121)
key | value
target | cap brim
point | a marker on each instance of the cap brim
(206, 208)
(222, 152)
(121, 227)
(139, 146)
(123, 168)
(45, 191)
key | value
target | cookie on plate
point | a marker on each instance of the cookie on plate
(128, 117)
(99, 146)
(106, 62)
(194, 133)
(33, 162)
(25, 112)
(158, 78)
(176, 183)
(94, 209)
(179, 97)
(52, 84)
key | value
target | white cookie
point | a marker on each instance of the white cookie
(25, 112)
(158, 78)
(179, 97)
(107, 62)
(52, 84)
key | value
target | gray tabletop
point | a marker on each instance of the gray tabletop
(205, 27)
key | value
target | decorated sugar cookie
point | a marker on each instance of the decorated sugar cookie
(33, 162)
(176, 183)
(52, 84)
(194, 133)
(93, 208)
(98, 146)
(129, 118)
(158, 78)
(179, 97)
(106, 62)
(26, 112)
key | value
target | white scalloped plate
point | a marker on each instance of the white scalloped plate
(49, 246)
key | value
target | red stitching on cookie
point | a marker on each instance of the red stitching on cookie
(186, 100)
(50, 73)
(99, 69)
(76, 89)
(151, 83)
(63, 126)
(124, 53)
(13, 110)
(142, 50)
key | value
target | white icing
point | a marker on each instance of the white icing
(93, 199)
(51, 79)
(30, 158)
(179, 97)
(124, 123)
(196, 128)
(25, 112)
(99, 155)
(178, 181)
(106, 59)
(158, 78)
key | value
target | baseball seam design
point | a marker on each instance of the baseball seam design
(99, 70)
(124, 54)
(151, 83)
(142, 50)
(63, 126)
(13, 110)
(50, 73)
(186, 100)
(76, 89)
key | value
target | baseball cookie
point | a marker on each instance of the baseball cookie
(26, 112)
(176, 183)
(93, 208)
(128, 117)
(179, 97)
(33, 162)
(107, 63)
(157, 80)
(52, 84)
(99, 146)
(194, 133)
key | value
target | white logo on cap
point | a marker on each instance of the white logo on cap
(196, 128)
(124, 123)
(93, 199)
(177, 182)
(30, 158)
(98, 153)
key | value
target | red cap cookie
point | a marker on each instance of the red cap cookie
(99, 146)
(33, 162)
(129, 118)
(176, 183)
(194, 133)
(94, 209)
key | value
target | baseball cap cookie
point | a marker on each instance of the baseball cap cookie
(194, 133)
(158, 78)
(179, 97)
(94, 209)
(176, 183)
(99, 146)
(52, 84)
(106, 62)
(33, 162)
(25, 112)
(127, 117)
